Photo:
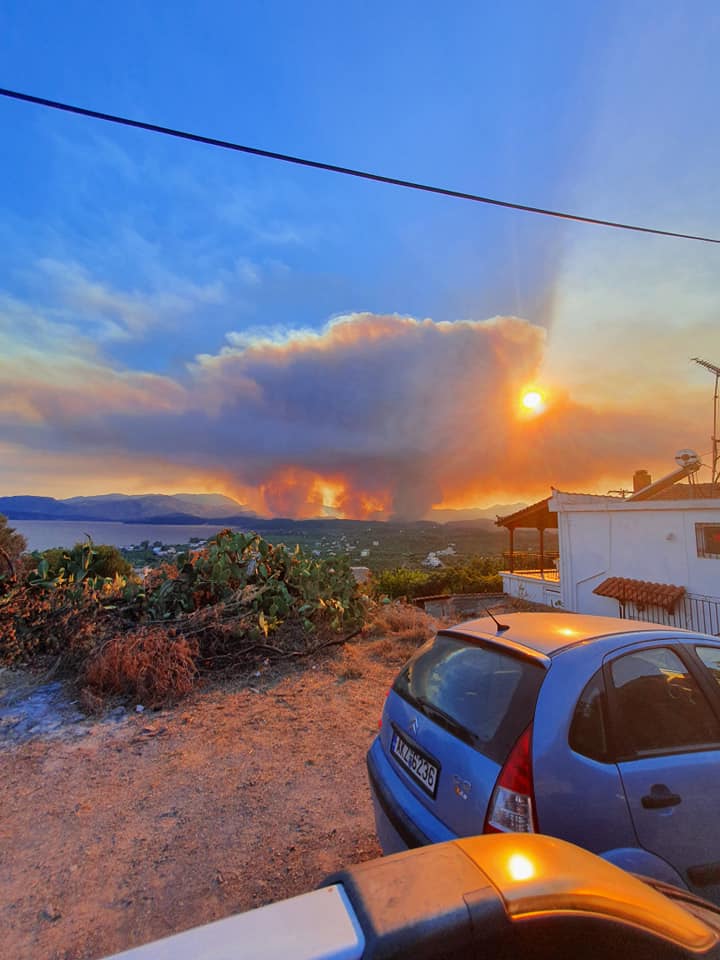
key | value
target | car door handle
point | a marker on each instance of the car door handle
(660, 796)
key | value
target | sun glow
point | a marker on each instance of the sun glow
(533, 400)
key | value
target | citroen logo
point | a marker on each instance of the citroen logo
(413, 727)
(462, 787)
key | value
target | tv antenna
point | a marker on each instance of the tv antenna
(716, 372)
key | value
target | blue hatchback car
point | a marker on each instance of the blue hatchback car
(600, 731)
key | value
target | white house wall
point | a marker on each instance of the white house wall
(636, 540)
(532, 589)
(586, 553)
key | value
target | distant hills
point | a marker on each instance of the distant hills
(123, 508)
(180, 508)
(478, 513)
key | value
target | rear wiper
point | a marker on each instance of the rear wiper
(435, 713)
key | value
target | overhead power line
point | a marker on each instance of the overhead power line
(347, 171)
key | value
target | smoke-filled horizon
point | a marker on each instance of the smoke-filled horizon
(370, 416)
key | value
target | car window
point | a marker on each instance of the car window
(588, 734)
(710, 656)
(658, 706)
(488, 695)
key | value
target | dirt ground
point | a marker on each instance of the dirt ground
(119, 832)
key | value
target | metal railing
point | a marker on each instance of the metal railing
(693, 612)
(528, 564)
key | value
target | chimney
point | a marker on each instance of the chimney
(641, 479)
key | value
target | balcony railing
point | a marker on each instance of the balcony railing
(543, 566)
(693, 612)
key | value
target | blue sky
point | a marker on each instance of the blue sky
(152, 269)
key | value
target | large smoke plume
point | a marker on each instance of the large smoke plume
(370, 416)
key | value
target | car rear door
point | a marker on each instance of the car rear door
(666, 724)
(453, 715)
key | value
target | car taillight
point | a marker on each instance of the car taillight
(383, 710)
(512, 804)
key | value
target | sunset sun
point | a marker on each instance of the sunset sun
(533, 400)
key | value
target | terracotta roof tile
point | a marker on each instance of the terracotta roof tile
(642, 593)
(688, 491)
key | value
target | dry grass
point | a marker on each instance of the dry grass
(518, 605)
(396, 630)
(400, 622)
(352, 665)
(152, 664)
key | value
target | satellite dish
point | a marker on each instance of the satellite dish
(687, 458)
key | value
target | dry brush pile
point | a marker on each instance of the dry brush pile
(237, 600)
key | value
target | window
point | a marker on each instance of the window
(710, 656)
(588, 732)
(482, 695)
(708, 540)
(659, 706)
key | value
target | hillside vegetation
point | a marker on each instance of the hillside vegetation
(235, 601)
(12, 546)
(477, 575)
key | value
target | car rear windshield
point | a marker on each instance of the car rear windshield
(482, 694)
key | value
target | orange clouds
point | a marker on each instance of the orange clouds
(46, 388)
(371, 415)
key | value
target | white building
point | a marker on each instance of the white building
(654, 556)
(432, 560)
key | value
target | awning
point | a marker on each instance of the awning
(535, 517)
(642, 593)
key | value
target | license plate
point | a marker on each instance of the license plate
(418, 765)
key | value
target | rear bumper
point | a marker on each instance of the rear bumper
(401, 819)
(403, 833)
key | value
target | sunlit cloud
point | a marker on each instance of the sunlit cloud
(53, 390)
(371, 415)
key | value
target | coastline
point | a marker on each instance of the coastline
(44, 534)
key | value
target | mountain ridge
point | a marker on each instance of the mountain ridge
(189, 508)
(125, 508)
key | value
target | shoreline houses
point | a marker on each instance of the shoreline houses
(652, 555)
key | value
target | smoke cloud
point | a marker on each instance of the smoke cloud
(370, 416)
